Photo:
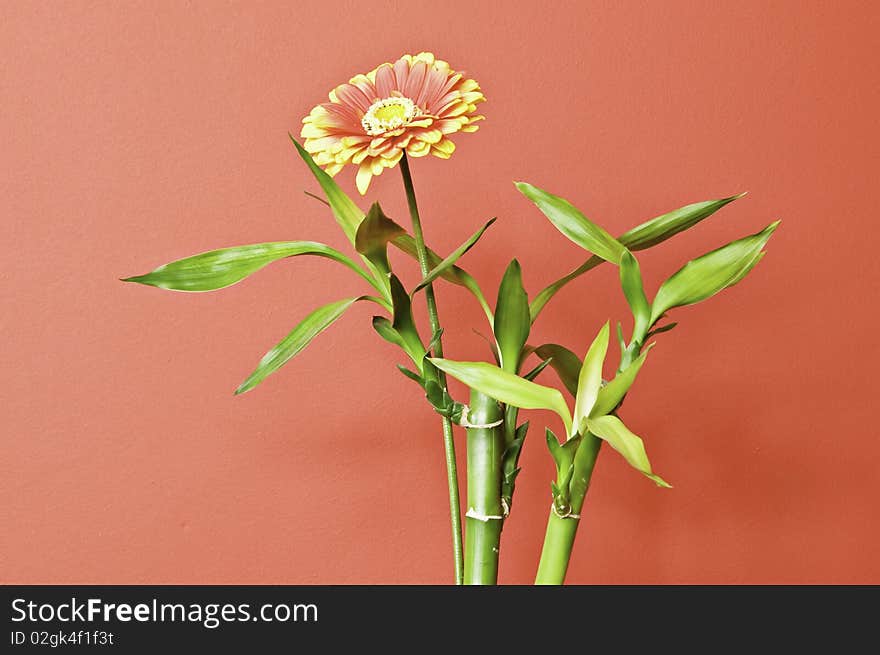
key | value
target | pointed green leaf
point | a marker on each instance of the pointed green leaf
(643, 236)
(373, 235)
(590, 378)
(611, 395)
(612, 430)
(403, 322)
(221, 268)
(412, 375)
(384, 329)
(566, 364)
(621, 342)
(512, 321)
(659, 229)
(531, 375)
(662, 329)
(346, 212)
(705, 276)
(493, 347)
(573, 224)
(456, 254)
(506, 387)
(453, 273)
(631, 281)
(300, 337)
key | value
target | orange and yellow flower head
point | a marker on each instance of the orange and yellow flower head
(411, 106)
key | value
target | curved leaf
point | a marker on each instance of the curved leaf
(611, 395)
(590, 378)
(566, 364)
(346, 212)
(573, 224)
(221, 268)
(705, 276)
(511, 324)
(300, 337)
(403, 322)
(658, 229)
(453, 257)
(643, 236)
(373, 235)
(506, 387)
(453, 273)
(611, 429)
(633, 290)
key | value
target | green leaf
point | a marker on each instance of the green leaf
(590, 378)
(661, 330)
(384, 329)
(403, 322)
(611, 395)
(566, 364)
(659, 229)
(493, 347)
(631, 281)
(563, 455)
(217, 269)
(456, 254)
(621, 342)
(644, 236)
(300, 337)
(512, 323)
(506, 387)
(453, 273)
(612, 430)
(573, 224)
(705, 276)
(373, 235)
(531, 375)
(346, 212)
(412, 375)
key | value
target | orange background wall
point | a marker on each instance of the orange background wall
(137, 133)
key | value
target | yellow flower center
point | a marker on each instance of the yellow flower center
(388, 114)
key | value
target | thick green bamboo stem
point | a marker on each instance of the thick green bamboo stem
(433, 317)
(561, 530)
(485, 515)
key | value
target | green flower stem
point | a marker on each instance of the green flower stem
(448, 443)
(484, 519)
(561, 532)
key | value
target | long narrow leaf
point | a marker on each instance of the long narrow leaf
(346, 212)
(658, 229)
(612, 393)
(633, 290)
(373, 235)
(715, 271)
(643, 236)
(454, 274)
(300, 337)
(566, 364)
(631, 446)
(573, 224)
(453, 257)
(512, 324)
(506, 387)
(221, 268)
(590, 378)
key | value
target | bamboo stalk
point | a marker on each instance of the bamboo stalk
(485, 516)
(561, 530)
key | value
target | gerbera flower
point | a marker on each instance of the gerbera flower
(411, 106)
